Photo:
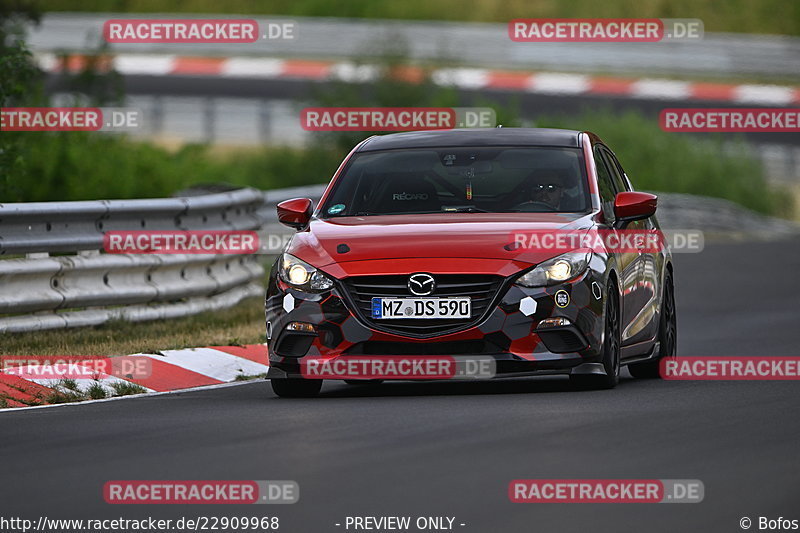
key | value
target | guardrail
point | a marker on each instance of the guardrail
(40, 291)
(54, 227)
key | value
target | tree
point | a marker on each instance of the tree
(20, 82)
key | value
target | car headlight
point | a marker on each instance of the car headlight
(300, 275)
(556, 270)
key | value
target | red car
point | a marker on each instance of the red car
(415, 250)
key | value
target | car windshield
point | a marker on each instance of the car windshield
(461, 180)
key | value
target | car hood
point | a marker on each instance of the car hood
(441, 235)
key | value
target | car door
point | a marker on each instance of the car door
(643, 326)
(628, 263)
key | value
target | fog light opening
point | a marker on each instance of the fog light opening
(558, 322)
(303, 327)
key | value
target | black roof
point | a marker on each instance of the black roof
(474, 137)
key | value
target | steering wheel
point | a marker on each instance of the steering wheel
(533, 207)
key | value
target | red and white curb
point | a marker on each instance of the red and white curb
(553, 83)
(170, 370)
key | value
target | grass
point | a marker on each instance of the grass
(249, 377)
(69, 384)
(66, 390)
(124, 388)
(241, 324)
(745, 16)
(96, 391)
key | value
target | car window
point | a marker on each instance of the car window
(605, 185)
(617, 174)
(461, 179)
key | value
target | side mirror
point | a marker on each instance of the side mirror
(630, 206)
(295, 213)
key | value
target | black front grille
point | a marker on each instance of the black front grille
(562, 340)
(481, 288)
(294, 344)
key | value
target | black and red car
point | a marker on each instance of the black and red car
(432, 216)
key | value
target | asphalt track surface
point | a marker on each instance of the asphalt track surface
(450, 449)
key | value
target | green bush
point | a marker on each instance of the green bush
(676, 162)
(82, 166)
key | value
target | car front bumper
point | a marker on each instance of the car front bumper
(511, 332)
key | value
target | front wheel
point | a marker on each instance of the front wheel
(611, 349)
(667, 335)
(296, 388)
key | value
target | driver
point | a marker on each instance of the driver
(547, 187)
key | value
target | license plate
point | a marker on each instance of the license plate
(421, 307)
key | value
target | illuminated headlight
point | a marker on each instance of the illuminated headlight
(556, 270)
(300, 275)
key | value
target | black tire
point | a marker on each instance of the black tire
(667, 335)
(296, 388)
(363, 381)
(611, 350)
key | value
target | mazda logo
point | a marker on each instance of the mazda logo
(421, 284)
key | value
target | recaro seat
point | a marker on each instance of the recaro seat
(403, 193)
